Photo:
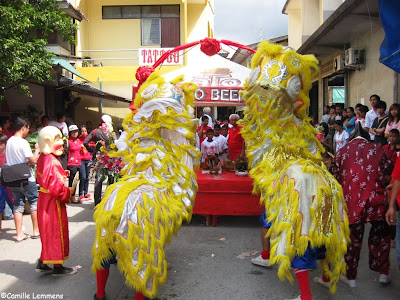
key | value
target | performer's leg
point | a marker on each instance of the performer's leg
(353, 251)
(379, 249)
(263, 259)
(97, 188)
(101, 277)
(139, 296)
(304, 284)
(302, 264)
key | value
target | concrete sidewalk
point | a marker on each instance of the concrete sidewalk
(203, 264)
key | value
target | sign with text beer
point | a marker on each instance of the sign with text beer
(148, 56)
(219, 80)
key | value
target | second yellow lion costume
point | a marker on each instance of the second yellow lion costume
(302, 199)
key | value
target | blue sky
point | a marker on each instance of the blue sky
(246, 21)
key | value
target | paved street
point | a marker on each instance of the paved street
(203, 264)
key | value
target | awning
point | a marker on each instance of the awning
(67, 66)
(86, 89)
(350, 20)
(219, 80)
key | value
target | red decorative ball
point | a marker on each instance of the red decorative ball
(142, 73)
(210, 46)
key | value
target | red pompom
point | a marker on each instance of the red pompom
(142, 73)
(265, 254)
(210, 46)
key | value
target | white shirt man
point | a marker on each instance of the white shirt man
(371, 115)
(63, 126)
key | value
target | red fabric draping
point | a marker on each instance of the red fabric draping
(226, 194)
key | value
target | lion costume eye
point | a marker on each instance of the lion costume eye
(294, 86)
(150, 91)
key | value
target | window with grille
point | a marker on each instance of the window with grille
(160, 24)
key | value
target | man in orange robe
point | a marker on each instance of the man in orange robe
(52, 211)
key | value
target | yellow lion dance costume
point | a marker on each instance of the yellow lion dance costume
(302, 199)
(139, 213)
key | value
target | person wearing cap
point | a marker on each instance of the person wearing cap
(74, 157)
(100, 136)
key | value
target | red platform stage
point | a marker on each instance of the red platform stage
(225, 194)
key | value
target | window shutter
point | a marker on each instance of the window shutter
(170, 32)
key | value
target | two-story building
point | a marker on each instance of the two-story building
(64, 91)
(120, 37)
(345, 36)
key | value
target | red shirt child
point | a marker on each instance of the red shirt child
(202, 129)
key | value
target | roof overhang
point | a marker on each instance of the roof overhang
(86, 89)
(71, 11)
(242, 55)
(352, 19)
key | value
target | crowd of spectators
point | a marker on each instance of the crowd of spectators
(221, 139)
(79, 146)
(362, 146)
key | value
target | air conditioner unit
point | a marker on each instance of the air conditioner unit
(338, 63)
(354, 57)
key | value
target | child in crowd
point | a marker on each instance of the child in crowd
(85, 168)
(224, 132)
(74, 158)
(341, 136)
(202, 129)
(361, 112)
(222, 143)
(392, 149)
(4, 198)
(226, 122)
(208, 146)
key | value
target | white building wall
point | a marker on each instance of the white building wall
(375, 78)
(310, 18)
(328, 7)
(294, 29)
